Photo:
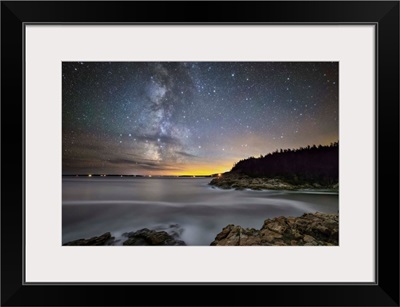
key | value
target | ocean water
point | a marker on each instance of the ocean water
(188, 207)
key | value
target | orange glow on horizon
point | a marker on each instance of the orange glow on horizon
(193, 170)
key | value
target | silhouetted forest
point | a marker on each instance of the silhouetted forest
(319, 164)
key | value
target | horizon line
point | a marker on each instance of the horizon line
(138, 175)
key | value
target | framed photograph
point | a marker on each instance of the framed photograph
(243, 147)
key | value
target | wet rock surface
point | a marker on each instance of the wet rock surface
(151, 237)
(142, 237)
(310, 229)
(105, 239)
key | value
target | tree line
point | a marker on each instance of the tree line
(311, 164)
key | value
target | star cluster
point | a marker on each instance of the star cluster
(177, 118)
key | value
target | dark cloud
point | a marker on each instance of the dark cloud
(186, 154)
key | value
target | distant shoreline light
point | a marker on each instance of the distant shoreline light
(141, 176)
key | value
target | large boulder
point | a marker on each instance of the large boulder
(104, 239)
(310, 229)
(151, 237)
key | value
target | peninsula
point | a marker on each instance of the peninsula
(311, 167)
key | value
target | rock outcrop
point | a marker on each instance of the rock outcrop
(232, 180)
(141, 237)
(105, 239)
(150, 237)
(310, 229)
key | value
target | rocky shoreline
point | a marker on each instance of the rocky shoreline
(310, 229)
(239, 181)
(104, 239)
(142, 237)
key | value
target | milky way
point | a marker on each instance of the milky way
(174, 118)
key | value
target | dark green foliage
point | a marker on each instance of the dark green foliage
(311, 164)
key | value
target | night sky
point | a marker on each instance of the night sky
(193, 118)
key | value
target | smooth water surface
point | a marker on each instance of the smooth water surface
(93, 206)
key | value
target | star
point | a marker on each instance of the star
(179, 113)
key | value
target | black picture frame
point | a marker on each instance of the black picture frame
(383, 14)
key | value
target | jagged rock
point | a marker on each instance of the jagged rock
(236, 235)
(175, 230)
(310, 229)
(141, 237)
(151, 237)
(104, 239)
(308, 239)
